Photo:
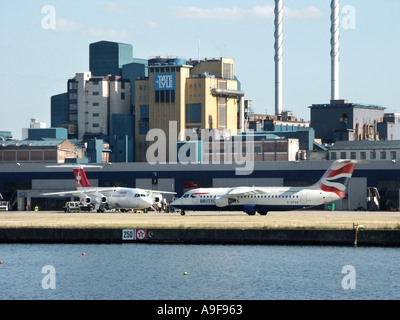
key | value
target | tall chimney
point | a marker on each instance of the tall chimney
(335, 25)
(278, 55)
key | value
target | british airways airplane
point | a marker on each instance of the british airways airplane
(252, 200)
(103, 198)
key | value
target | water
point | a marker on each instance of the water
(214, 272)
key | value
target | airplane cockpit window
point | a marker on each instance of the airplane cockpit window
(186, 195)
(136, 195)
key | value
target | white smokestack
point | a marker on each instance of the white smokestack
(278, 55)
(335, 25)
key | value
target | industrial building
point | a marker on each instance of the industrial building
(42, 151)
(194, 95)
(347, 121)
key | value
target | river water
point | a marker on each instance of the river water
(197, 272)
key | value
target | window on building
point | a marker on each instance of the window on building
(353, 155)
(163, 96)
(95, 115)
(96, 104)
(222, 121)
(96, 125)
(393, 155)
(96, 93)
(363, 155)
(383, 155)
(227, 70)
(372, 155)
(122, 95)
(73, 85)
(345, 118)
(333, 156)
(343, 155)
(144, 121)
(193, 113)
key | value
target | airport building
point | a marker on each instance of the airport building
(23, 184)
(365, 150)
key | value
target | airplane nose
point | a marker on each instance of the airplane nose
(147, 202)
(176, 202)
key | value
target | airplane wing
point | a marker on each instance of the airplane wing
(62, 193)
(244, 191)
(157, 191)
(79, 192)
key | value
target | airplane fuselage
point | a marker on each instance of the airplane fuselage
(262, 199)
(120, 198)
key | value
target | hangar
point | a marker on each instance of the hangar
(22, 184)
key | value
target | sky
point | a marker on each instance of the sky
(45, 43)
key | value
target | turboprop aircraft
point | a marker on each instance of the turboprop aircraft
(331, 187)
(106, 198)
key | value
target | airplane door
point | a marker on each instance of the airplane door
(195, 199)
(303, 197)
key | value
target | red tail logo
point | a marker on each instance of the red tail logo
(337, 177)
(80, 178)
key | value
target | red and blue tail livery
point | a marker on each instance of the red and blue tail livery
(337, 177)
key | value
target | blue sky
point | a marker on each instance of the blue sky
(37, 58)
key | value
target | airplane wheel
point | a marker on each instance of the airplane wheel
(263, 213)
(182, 213)
(252, 214)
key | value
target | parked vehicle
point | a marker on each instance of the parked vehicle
(72, 206)
(4, 205)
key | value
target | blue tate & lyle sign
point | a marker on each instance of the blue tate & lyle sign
(164, 81)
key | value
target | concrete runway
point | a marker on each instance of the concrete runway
(209, 220)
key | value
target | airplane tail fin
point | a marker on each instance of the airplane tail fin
(337, 177)
(81, 179)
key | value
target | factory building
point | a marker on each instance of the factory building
(389, 128)
(181, 95)
(344, 121)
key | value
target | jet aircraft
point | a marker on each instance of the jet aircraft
(331, 187)
(106, 198)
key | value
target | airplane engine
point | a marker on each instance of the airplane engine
(157, 198)
(101, 198)
(86, 199)
(222, 202)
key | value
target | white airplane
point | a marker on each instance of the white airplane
(103, 198)
(331, 187)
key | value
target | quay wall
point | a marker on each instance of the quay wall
(203, 236)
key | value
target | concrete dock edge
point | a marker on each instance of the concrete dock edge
(203, 236)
